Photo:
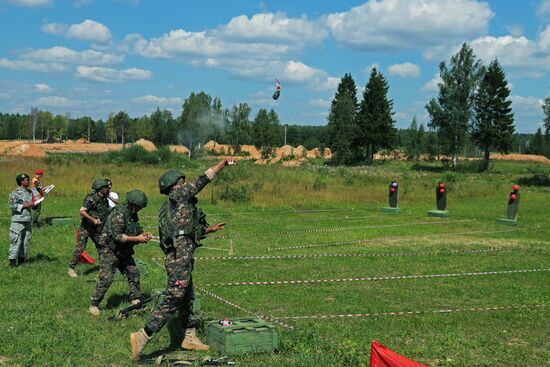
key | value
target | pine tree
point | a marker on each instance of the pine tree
(341, 121)
(375, 125)
(452, 112)
(494, 122)
(414, 143)
(536, 145)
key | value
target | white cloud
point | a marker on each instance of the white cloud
(155, 100)
(66, 55)
(89, 30)
(321, 103)
(31, 65)
(405, 70)
(432, 85)
(274, 28)
(406, 24)
(523, 57)
(528, 114)
(31, 3)
(40, 87)
(108, 75)
(4, 96)
(54, 28)
(54, 101)
(543, 9)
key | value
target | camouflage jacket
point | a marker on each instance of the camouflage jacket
(16, 200)
(120, 224)
(182, 208)
(96, 206)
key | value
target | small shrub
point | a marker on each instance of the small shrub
(319, 183)
(236, 193)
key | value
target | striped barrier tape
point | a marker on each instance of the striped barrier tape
(388, 254)
(338, 229)
(417, 312)
(388, 238)
(387, 277)
(263, 317)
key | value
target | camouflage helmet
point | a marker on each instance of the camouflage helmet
(169, 178)
(137, 198)
(99, 184)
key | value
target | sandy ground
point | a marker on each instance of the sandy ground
(297, 154)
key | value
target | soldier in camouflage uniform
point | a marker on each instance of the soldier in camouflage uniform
(180, 231)
(94, 211)
(118, 237)
(20, 202)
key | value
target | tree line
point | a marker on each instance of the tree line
(471, 116)
(471, 112)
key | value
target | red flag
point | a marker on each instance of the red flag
(381, 356)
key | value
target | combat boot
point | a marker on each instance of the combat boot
(192, 342)
(94, 310)
(13, 263)
(138, 341)
(72, 273)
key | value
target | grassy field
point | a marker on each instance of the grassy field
(478, 292)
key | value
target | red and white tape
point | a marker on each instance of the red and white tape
(417, 312)
(379, 278)
(388, 254)
(338, 229)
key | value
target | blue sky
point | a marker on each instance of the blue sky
(92, 57)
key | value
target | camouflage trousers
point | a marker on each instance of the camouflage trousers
(20, 235)
(81, 240)
(179, 294)
(108, 263)
(36, 215)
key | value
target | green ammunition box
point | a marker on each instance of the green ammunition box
(245, 335)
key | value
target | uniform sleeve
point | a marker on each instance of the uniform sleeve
(88, 203)
(15, 203)
(118, 227)
(191, 188)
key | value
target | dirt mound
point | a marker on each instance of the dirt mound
(181, 149)
(284, 151)
(299, 151)
(293, 162)
(521, 157)
(252, 151)
(327, 153)
(81, 141)
(218, 148)
(146, 144)
(313, 153)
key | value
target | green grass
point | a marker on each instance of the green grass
(44, 319)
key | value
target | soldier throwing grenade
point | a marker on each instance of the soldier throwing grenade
(179, 235)
(116, 247)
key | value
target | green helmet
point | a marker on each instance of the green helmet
(137, 198)
(20, 178)
(99, 184)
(169, 178)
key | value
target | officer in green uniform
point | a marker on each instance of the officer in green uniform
(20, 202)
(94, 211)
(118, 237)
(180, 227)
